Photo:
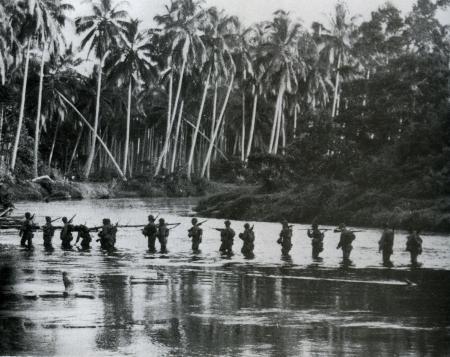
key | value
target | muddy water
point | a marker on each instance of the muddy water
(135, 303)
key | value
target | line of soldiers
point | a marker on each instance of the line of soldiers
(106, 233)
(160, 232)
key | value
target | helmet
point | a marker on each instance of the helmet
(194, 221)
(48, 219)
(106, 221)
(342, 226)
(64, 219)
(247, 225)
(27, 215)
(227, 223)
(161, 220)
(315, 225)
(151, 218)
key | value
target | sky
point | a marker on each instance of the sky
(251, 11)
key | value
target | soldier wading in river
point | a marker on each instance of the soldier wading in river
(285, 238)
(385, 245)
(227, 238)
(85, 236)
(316, 236)
(414, 246)
(195, 233)
(107, 235)
(345, 242)
(66, 234)
(248, 238)
(163, 235)
(48, 231)
(26, 231)
(150, 231)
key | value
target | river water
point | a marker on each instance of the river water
(131, 302)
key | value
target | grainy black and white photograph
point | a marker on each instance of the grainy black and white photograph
(225, 178)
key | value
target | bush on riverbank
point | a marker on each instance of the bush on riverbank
(330, 203)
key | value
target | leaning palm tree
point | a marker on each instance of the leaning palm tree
(131, 64)
(103, 30)
(50, 14)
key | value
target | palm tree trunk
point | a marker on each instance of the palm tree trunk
(283, 135)
(74, 150)
(277, 131)
(38, 115)
(127, 134)
(197, 126)
(213, 139)
(213, 124)
(50, 158)
(252, 126)
(177, 133)
(336, 89)
(275, 117)
(22, 108)
(90, 160)
(116, 165)
(295, 120)
(243, 128)
(169, 107)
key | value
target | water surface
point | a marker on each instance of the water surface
(135, 303)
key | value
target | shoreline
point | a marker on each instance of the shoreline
(369, 209)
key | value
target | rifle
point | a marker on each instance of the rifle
(54, 220)
(71, 220)
(175, 225)
(199, 224)
(320, 229)
(339, 231)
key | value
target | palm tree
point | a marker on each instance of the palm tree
(181, 28)
(279, 55)
(337, 45)
(103, 30)
(51, 15)
(132, 64)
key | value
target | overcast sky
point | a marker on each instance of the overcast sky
(251, 11)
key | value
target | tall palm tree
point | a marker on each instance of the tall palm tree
(337, 47)
(51, 15)
(103, 29)
(181, 27)
(279, 55)
(132, 63)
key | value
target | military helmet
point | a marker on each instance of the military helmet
(151, 218)
(64, 219)
(194, 221)
(342, 226)
(106, 221)
(315, 225)
(161, 220)
(48, 219)
(227, 222)
(27, 215)
(247, 225)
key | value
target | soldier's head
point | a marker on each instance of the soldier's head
(315, 226)
(151, 218)
(227, 223)
(284, 223)
(106, 221)
(246, 226)
(48, 219)
(341, 226)
(194, 221)
(64, 219)
(161, 221)
(27, 215)
(385, 225)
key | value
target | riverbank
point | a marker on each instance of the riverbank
(56, 190)
(330, 204)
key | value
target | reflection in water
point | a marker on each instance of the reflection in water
(202, 304)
